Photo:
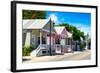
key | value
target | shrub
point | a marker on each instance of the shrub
(81, 46)
(27, 50)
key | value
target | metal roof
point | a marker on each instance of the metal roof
(69, 34)
(34, 23)
(59, 30)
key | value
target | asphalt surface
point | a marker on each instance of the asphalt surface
(84, 55)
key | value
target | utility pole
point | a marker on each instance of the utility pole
(50, 39)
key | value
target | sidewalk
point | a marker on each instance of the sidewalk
(67, 56)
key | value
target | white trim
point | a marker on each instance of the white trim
(48, 31)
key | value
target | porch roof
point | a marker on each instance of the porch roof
(34, 23)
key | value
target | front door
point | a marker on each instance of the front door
(62, 42)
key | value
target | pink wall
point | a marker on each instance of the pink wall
(52, 39)
(62, 35)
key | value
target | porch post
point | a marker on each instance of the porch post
(61, 44)
(40, 37)
(71, 44)
(54, 40)
(28, 39)
(45, 36)
(67, 41)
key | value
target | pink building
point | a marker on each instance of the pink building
(63, 40)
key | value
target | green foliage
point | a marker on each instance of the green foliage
(77, 34)
(81, 46)
(31, 14)
(27, 50)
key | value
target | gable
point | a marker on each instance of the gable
(64, 31)
(47, 27)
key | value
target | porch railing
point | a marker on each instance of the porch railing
(42, 46)
(63, 48)
(39, 48)
(45, 46)
(57, 47)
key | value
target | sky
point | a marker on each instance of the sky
(80, 20)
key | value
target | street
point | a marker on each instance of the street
(84, 55)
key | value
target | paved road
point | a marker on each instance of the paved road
(85, 55)
(79, 56)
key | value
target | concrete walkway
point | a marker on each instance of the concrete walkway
(84, 55)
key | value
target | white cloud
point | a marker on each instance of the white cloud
(54, 18)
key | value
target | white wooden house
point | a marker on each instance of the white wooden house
(36, 32)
